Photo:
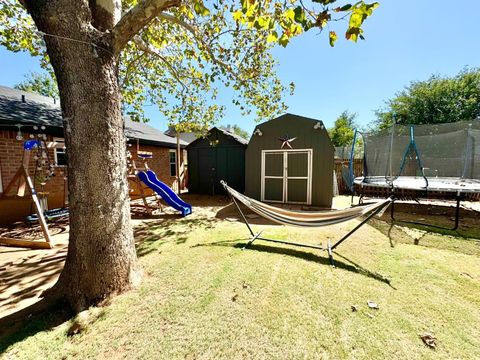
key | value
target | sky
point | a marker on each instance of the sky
(406, 40)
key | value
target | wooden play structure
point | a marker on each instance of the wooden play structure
(23, 184)
(137, 188)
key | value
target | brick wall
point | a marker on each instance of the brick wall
(11, 155)
(160, 164)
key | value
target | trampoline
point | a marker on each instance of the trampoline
(440, 184)
(441, 159)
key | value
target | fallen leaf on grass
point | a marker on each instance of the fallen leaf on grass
(429, 340)
(372, 305)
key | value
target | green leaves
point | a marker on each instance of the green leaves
(323, 18)
(17, 30)
(272, 37)
(324, 2)
(345, 7)
(299, 15)
(333, 38)
(283, 21)
(359, 13)
(435, 100)
(196, 50)
(342, 132)
(39, 83)
(200, 9)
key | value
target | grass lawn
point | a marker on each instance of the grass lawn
(203, 297)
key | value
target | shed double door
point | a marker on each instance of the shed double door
(287, 176)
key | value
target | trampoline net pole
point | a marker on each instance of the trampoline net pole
(422, 161)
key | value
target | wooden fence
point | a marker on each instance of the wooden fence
(342, 166)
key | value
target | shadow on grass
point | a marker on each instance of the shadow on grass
(352, 267)
(304, 255)
(222, 243)
(151, 235)
(41, 316)
(435, 219)
(460, 241)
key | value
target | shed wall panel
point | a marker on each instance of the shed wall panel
(306, 137)
(214, 158)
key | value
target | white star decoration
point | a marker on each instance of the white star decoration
(286, 140)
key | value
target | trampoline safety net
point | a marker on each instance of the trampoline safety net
(450, 150)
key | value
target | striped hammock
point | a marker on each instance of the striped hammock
(305, 218)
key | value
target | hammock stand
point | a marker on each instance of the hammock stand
(234, 195)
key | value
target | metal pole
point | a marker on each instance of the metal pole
(330, 254)
(360, 225)
(255, 237)
(291, 243)
(457, 211)
(350, 166)
(178, 164)
(243, 216)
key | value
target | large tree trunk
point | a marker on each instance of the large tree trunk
(101, 257)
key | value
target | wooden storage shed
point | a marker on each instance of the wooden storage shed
(289, 160)
(220, 155)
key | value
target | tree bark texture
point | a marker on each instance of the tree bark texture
(101, 257)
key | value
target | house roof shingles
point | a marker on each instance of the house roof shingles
(24, 108)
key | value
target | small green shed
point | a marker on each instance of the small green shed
(290, 160)
(220, 155)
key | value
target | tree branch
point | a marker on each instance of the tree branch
(105, 13)
(150, 50)
(199, 40)
(136, 19)
(125, 79)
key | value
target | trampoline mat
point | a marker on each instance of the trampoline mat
(445, 184)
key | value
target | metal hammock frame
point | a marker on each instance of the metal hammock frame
(287, 217)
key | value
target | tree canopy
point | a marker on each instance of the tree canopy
(179, 59)
(342, 132)
(39, 83)
(435, 100)
(237, 130)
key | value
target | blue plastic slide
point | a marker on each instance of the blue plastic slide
(150, 179)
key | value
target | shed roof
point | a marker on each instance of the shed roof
(240, 139)
(235, 137)
(25, 108)
(188, 137)
(292, 116)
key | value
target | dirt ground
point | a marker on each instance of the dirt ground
(25, 274)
